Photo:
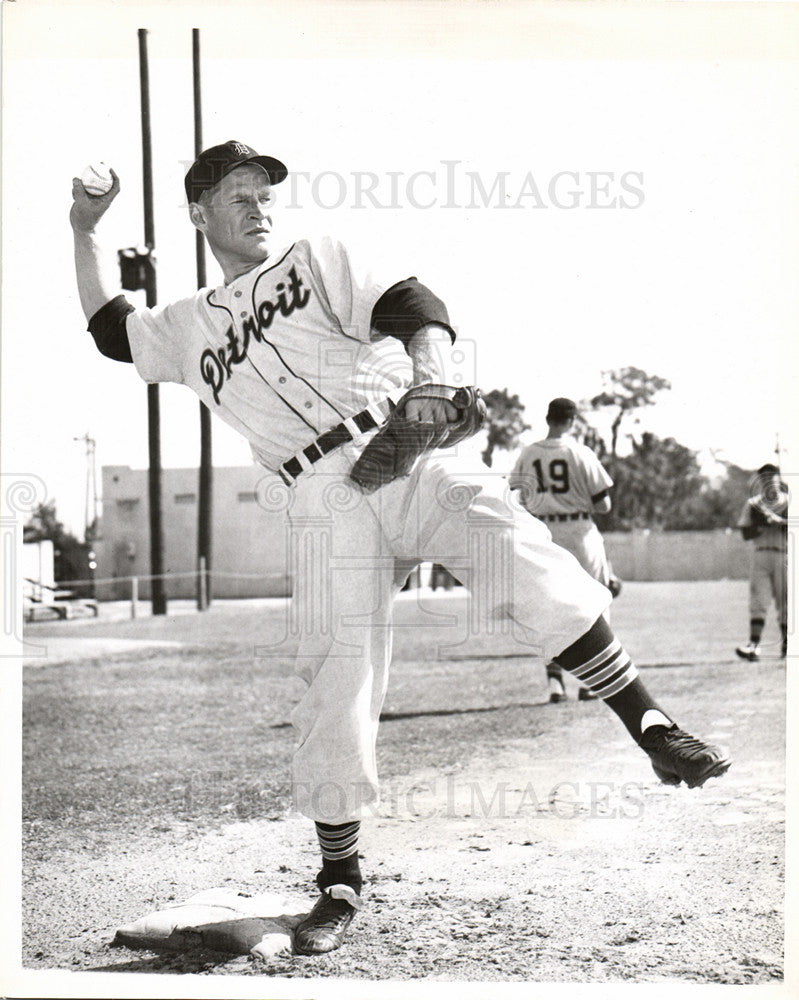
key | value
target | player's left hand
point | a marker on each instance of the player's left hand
(430, 411)
(420, 421)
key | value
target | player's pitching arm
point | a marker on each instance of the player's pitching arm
(97, 281)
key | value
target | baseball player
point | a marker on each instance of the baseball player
(562, 482)
(764, 521)
(290, 350)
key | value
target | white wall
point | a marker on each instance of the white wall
(38, 564)
(249, 557)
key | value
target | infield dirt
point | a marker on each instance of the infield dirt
(516, 840)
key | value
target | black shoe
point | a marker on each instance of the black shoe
(555, 697)
(586, 694)
(325, 927)
(751, 652)
(677, 757)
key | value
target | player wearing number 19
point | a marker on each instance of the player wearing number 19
(562, 483)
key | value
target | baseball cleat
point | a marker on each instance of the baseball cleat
(555, 696)
(676, 756)
(749, 652)
(586, 694)
(325, 927)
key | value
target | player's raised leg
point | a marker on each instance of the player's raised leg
(599, 660)
(515, 571)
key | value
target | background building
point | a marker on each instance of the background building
(250, 539)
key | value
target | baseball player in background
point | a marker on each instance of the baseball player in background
(562, 483)
(291, 351)
(764, 522)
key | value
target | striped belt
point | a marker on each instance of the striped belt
(348, 429)
(577, 515)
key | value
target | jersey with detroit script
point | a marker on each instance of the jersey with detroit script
(282, 353)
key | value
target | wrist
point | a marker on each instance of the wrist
(87, 230)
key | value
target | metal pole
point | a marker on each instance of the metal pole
(153, 397)
(206, 476)
(202, 582)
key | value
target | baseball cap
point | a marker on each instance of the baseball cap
(216, 162)
(768, 470)
(562, 409)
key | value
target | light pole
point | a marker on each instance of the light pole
(90, 508)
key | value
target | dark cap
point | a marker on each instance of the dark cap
(768, 470)
(215, 163)
(561, 409)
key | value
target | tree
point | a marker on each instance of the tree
(626, 390)
(717, 505)
(71, 556)
(653, 484)
(590, 437)
(505, 423)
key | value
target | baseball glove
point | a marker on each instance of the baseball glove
(390, 454)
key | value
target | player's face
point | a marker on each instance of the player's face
(236, 220)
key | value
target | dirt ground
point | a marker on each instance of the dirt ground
(517, 841)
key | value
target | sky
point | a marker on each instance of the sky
(587, 186)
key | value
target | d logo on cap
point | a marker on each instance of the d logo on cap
(216, 162)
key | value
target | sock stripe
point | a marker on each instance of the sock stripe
(618, 683)
(338, 842)
(607, 672)
(339, 835)
(598, 664)
(341, 843)
(609, 651)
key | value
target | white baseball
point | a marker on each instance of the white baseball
(96, 179)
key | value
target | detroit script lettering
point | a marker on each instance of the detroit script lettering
(217, 366)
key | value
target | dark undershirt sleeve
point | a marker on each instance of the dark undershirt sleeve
(108, 328)
(599, 496)
(406, 307)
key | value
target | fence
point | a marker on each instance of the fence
(637, 555)
(678, 555)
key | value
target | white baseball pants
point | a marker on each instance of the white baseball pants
(344, 549)
(768, 581)
(584, 540)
